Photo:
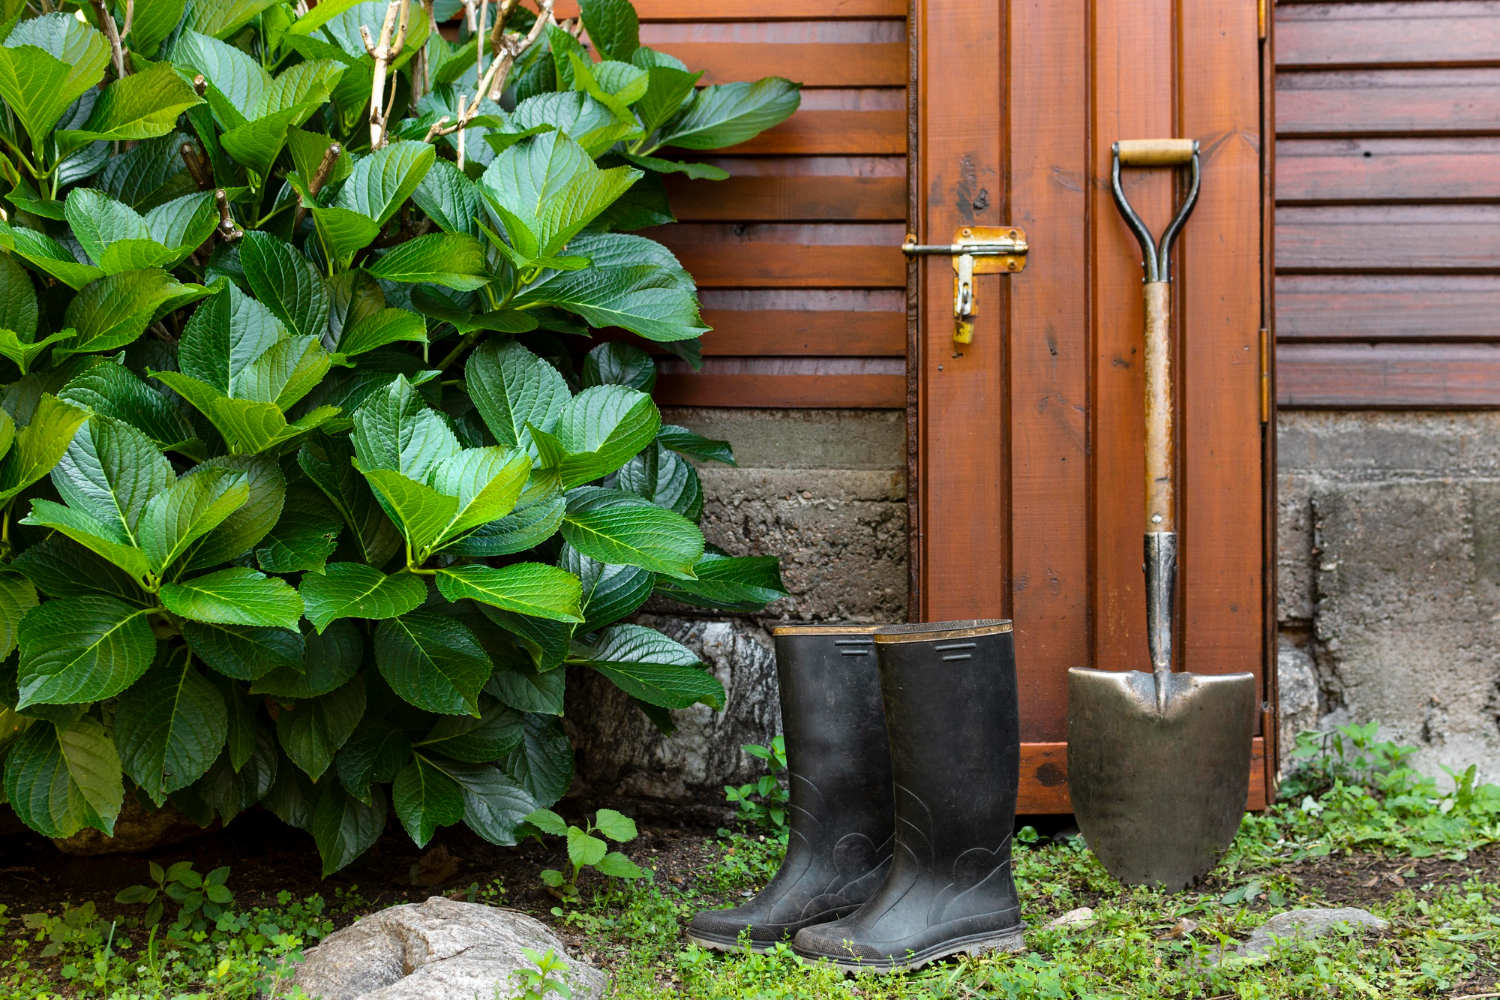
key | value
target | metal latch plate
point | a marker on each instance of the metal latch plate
(975, 250)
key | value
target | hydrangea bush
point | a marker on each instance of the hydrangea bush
(304, 500)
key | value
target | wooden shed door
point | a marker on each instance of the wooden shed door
(1028, 494)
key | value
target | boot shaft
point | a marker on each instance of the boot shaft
(951, 709)
(837, 748)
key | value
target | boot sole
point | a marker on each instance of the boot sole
(714, 942)
(983, 943)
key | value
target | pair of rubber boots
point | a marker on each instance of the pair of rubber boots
(903, 756)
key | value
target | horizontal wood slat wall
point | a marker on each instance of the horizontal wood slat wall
(1388, 195)
(795, 254)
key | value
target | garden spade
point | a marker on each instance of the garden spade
(1159, 763)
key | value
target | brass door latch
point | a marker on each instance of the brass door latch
(975, 250)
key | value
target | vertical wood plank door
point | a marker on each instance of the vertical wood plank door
(1028, 480)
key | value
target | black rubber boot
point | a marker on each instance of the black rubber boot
(950, 706)
(839, 771)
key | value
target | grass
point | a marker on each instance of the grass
(1354, 810)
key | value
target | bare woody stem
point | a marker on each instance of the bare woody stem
(385, 52)
(107, 25)
(319, 178)
(227, 230)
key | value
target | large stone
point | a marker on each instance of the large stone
(136, 830)
(437, 950)
(1301, 925)
(622, 757)
(1297, 691)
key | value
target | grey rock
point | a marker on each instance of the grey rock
(1297, 690)
(1305, 924)
(621, 757)
(437, 950)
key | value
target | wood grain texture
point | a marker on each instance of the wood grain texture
(1432, 102)
(1374, 376)
(788, 199)
(963, 475)
(1366, 307)
(813, 131)
(1387, 170)
(1454, 33)
(1044, 778)
(805, 333)
(1220, 442)
(1390, 238)
(879, 64)
(752, 10)
(1048, 362)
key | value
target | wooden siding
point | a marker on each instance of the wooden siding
(1388, 195)
(796, 254)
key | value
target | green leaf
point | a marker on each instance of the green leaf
(548, 821)
(286, 282)
(312, 730)
(59, 567)
(617, 363)
(448, 198)
(354, 590)
(616, 527)
(479, 741)
(695, 171)
(151, 174)
(306, 534)
(647, 665)
(47, 255)
(385, 327)
(24, 353)
(375, 754)
(243, 529)
(533, 589)
(543, 763)
(397, 431)
(612, 26)
(183, 224)
(112, 390)
(551, 186)
(235, 596)
(432, 661)
(344, 827)
(98, 220)
(170, 727)
(244, 652)
(186, 511)
(616, 826)
(425, 799)
(609, 592)
(616, 865)
(685, 442)
(730, 113)
(381, 182)
(343, 233)
(82, 649)
(93, 534)
(487, 483)
(513, 388)
(418, 511)
(545, 640)
(621, 80)
(736, 583)
(141, 106)
(220, 18)
(40, 445)
(116, 309)
(332, 658)
(154, 20)
(327, 461)
(601, 428)
(668, 88)
(110, 471)
(495, 805)
(455, 260)
(513, 533)
(17, 597)
(60, 781)
(658, 475)
(46, 64)
(656, 302)
(583, 849)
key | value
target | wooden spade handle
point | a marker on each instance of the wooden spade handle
(1155, 152)
(1161, 509)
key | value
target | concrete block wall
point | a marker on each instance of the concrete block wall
(1388, 581)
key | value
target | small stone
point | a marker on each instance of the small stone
(1073, 918)
(437, 950)
(1183, 926)
(1304, 924)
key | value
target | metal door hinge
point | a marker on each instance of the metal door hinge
(975, 250)
(1260, 16)
(1265, 375)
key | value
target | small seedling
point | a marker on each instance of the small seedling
(762, 803)
(180, 883)
(586, 850)
(537, 983)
